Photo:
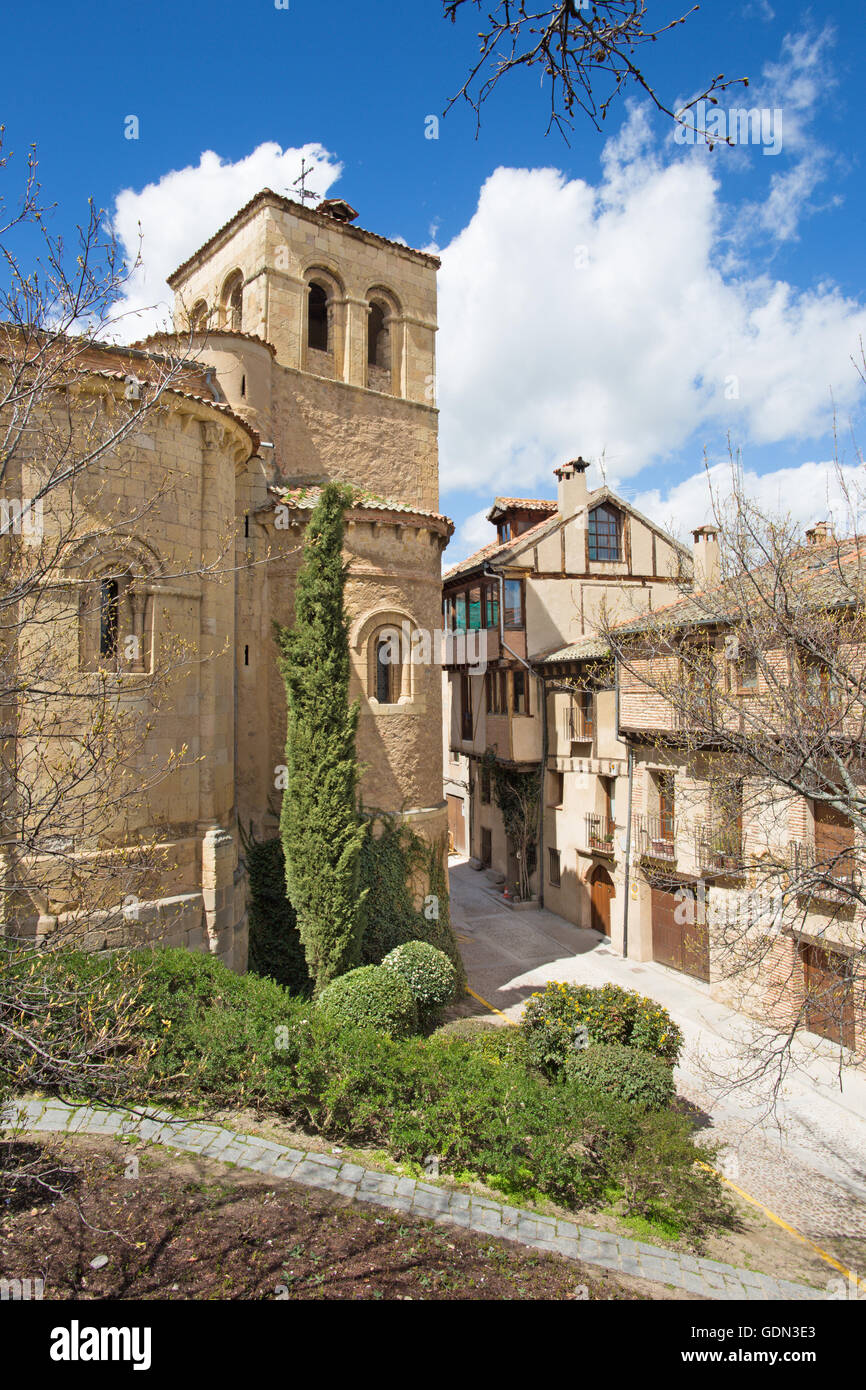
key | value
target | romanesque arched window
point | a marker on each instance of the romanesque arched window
(378, 337)
(232, 302)
(115, 609)
(318, 336)
(198, 316)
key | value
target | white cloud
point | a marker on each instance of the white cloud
(580, 319)
(808, 492)
(472, 533)
(181, 211)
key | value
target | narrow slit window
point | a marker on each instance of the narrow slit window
(317, 320)
(109, 599)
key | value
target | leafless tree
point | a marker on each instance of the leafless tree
(754, 682)
(80, 842)
(587, 51)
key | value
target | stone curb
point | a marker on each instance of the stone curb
(617, 1254)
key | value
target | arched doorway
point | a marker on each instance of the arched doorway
(601, 890)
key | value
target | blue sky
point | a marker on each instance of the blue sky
(624, 297)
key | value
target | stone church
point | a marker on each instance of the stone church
(310, 351)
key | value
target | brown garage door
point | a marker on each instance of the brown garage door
(829, 991)
(456, 824)
(680, 937)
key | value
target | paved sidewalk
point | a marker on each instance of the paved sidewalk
(808, 1163)
(701, 1277)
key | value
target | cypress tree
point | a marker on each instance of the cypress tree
(320, 826)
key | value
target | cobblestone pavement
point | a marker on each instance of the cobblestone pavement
(811, 1171)
(696, 1275)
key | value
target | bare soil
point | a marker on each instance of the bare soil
(162, 1226)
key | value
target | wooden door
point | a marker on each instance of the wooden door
(829, 1002)
(601, 891)
(456, 824)
(680, 933)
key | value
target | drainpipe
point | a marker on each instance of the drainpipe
(627, 825)
(498, 576)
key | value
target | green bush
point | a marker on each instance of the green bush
(500, 1041)
(554, 1022)
(429, 974)
(276, 949)
(228, 1040)
(625, 1072)
(373, 997)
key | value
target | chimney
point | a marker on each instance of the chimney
(571, 489)
(819, 533)
(707, 572)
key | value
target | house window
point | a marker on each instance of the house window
(491, 605)
(553, 869)
(608, 793)
(604, 534)
(747, 673)
(317, 318)
(485, 785)
(520, 692)
(555, 788)
(494, 682)
(109, 600)
(460, 612)
(502, 532)
(465, 707)
(198, 317)
(667, 805)
(513, 603)
(473, 614)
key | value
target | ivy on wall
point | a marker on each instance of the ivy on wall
(399, 867)
(517, 796)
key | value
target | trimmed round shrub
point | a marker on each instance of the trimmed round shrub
(627, 1073)
(429, 974)
(371, 997)
(560, 1021)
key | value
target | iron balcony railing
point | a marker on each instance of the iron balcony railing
(600, 833)
(818, 869)
(655, 837)
(719, 848)
(576, 724)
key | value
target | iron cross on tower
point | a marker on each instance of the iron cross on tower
(302, 180)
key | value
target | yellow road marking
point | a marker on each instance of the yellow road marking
(823, 1254)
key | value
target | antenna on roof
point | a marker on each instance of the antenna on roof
(302, 180)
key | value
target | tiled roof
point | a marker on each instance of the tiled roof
(206, 334)
(289, 205)
(820, 577)
(526, 504)
(584, 649)
(500, 550)
(304, 498)
(187, 395)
